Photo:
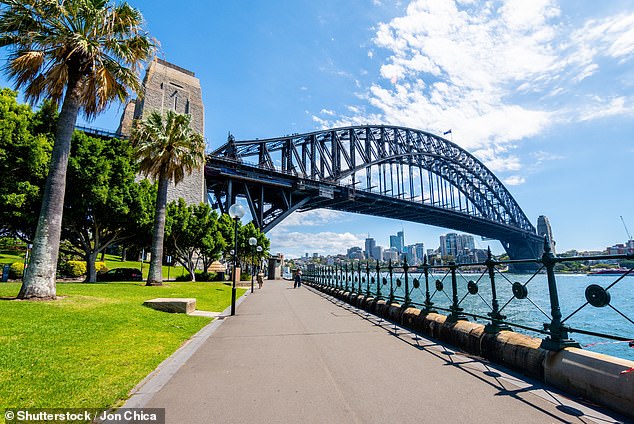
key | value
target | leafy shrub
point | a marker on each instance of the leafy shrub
(184, 277)
(206, 276)
(245, 276)
(101, 267)
(16, 271)
(75, 268)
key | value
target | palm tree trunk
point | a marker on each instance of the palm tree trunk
(155, 275)
(39, 281)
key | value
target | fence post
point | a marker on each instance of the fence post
(407, 301)
(378, 280)
(345, 267)
(391, 268)
(495, 325)
(428, 303)
(558, 338)
(359, 276)
(456, 311)
(367, 278)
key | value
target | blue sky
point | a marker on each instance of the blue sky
(541, 91)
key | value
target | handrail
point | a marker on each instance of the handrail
(403, 284)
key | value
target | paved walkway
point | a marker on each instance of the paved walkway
(298, 356)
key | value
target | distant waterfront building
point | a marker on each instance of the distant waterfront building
(369, 247)
(453, 244)
(420, 251)
(401, 241)
(544, 229)
(398, 242)
(377, 253)
(391, 254)
(355, 253)
(621, 249)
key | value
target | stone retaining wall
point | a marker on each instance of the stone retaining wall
(599, 378)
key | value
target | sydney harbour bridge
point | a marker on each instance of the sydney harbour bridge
(385, 171)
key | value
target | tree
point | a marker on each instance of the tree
(191, 233)
(84, 54)
(245, 250)
(166, 148)
(24, 153)
(104, 204)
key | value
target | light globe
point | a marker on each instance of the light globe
(236, 211)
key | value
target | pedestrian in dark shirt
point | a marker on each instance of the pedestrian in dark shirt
(298, 279)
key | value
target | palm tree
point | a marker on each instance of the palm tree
(84, 54)
(166, 148)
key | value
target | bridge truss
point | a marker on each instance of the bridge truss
(386, 171)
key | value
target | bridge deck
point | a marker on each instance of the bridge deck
(293, 355)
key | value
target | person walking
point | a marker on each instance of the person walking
(260, 279)
(298, 279)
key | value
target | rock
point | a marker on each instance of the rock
(174, 305)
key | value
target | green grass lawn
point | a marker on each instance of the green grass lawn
(9, 258)
(92, 346)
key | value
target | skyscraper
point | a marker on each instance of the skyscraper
(398, 242)
(369, 247)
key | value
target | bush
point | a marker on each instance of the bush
(16, 271)
(184, 277)
(206, 276)
(101, 267)
(75, 268)
(245, 276)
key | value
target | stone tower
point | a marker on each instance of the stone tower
(544, 229)
(170, 87)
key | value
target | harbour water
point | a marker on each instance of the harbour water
(534, 311)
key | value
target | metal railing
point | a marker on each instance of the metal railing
(483, 291)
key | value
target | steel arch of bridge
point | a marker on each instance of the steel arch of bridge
(387, 171)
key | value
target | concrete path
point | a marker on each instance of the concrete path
(298, 356)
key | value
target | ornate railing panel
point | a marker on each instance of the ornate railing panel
(599, 313)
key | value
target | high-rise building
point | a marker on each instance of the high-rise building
(420, 251)
(410, 252)
(377, 253)
(398, 242)
(391, 254)
(369, 247)
(453, 244)
(355, 253)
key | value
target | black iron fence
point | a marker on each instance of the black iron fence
(484, 291)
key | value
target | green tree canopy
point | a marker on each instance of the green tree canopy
(104, 203)
(191, 235)
(25, 148)
(82, 54)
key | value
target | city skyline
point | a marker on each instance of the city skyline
(542, 92)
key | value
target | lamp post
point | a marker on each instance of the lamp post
(252, 242)
(259, 250)
(236, 212)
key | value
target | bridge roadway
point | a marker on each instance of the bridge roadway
(298, 356)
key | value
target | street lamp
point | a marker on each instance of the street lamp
(259, 250)
(252, 242)
(236, 212)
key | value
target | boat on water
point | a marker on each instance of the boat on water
(612, 271)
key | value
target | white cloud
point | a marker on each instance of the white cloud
(312, 218)
(495, 72)
(295, 243)
(292, 237)
(327, 112)
(514, 180)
